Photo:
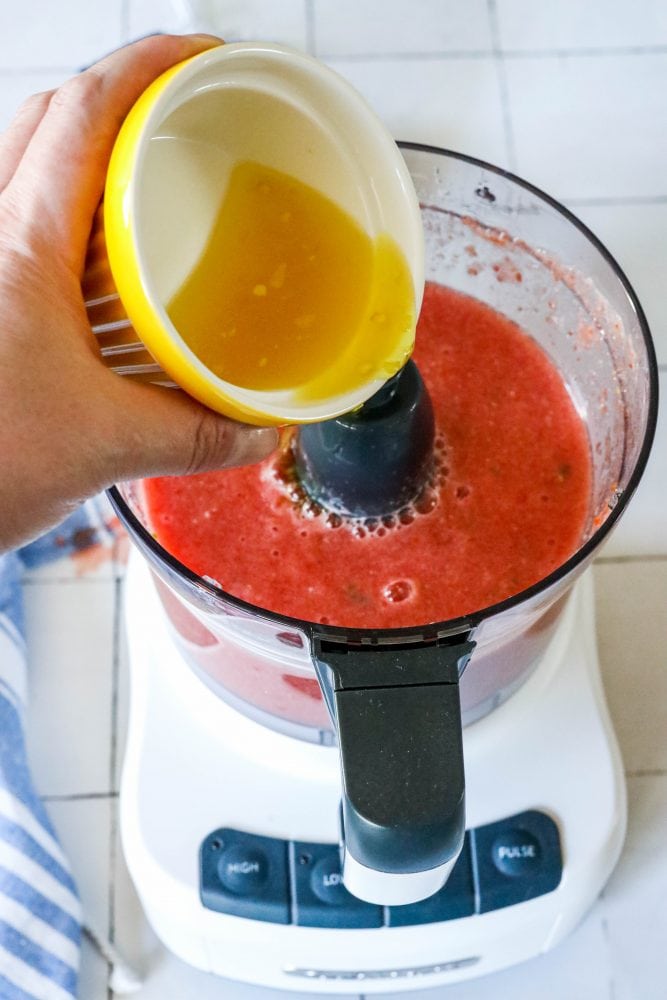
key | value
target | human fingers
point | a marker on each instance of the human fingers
(166, 432)
(14, 140)
(60, 179)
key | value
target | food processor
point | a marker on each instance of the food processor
(315, 808)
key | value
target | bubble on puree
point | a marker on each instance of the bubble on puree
(507, 503)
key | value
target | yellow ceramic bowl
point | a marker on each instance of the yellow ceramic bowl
(237, 102)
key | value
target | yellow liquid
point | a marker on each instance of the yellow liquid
(290, 292)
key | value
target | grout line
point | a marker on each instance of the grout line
(587, 52)
(627, 560)
(48, 581)
(111, 912)
(499, 60)
(113, 760)
(604, 926)
(309, 9)
(629, 200)
(497, 49)
(115, 670)
(78, 796)
(628, 50)
(405, 56)
(113, 837)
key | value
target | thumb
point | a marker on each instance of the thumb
(166, 432)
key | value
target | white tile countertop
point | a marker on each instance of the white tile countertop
(573, 97)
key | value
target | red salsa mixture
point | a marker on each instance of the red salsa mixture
(507, 504)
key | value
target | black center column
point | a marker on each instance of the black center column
(397, 713)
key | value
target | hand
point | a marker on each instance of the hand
(68, 426)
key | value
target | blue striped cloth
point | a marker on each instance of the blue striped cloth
(40, 913)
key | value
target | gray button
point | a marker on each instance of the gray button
(243, 870)
(516, 852)
(326, 881)
(319, 897)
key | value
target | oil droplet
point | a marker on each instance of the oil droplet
(397, 591)
(426, 503)
(311, 510)
(259, 291)
(406, 516)
(277, 279)
(303, 322)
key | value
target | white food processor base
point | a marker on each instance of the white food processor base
(194, 765)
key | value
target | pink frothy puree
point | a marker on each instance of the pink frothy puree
(508, 503)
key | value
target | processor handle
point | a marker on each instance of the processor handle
(398, 719)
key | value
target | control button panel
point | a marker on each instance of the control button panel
(245, 876)
(455, 899)
(263, 878)
(319, 897)
(517, 859)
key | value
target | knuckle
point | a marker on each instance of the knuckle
(35, 105)
(78, 93)
(210, 443)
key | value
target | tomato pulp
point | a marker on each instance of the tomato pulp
(508, 503)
